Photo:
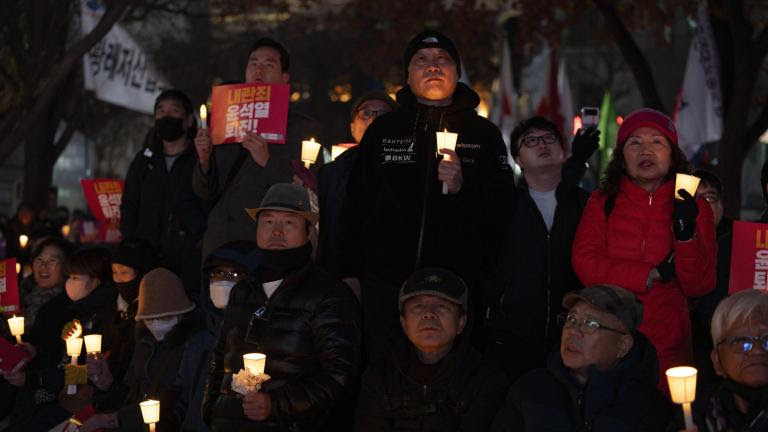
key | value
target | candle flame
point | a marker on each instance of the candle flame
(203, 112)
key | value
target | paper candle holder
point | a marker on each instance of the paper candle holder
(16, 324)
(446, 140)
(682, 390)
(150, 411)
(688, 182)
(337, 150)
(255, 363)
(23, 241)
(74, 346)
(92, 343)
(309, 151)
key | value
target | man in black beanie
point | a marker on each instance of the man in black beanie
(409, 206)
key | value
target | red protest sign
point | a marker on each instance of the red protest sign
(260, 108)
(749, 257)
(9, 286)
(103, 197)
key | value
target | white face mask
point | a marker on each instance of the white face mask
(220, 293)
(161, 326)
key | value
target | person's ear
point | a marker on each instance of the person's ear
(625, 344)
(462, 323)
(402, 323)
(285, 77)
(715, 357)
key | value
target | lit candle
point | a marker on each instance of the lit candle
(23, 240)
(65, 230)
(93, 343)
(74, 347)
(254, 363)
(203, 116)
(150, 412)
(446, 140)
(688, 182)
(682, 389)
(337, 150)
(17, 326)
(309, 151)
(18, 268)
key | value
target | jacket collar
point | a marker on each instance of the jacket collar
(464, 100)
(664, 194)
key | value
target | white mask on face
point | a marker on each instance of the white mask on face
(220, 293)
(161, 326)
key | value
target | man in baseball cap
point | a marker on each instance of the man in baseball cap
(605, 371)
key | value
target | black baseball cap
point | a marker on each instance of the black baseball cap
(437, 282)
(612, 299)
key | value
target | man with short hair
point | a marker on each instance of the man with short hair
(333, 177)
(396, 217)
(436, 381)
(534, 268)
(307, 324)
(603, 378)
(237, 175)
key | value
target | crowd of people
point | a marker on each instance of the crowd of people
(400, 287)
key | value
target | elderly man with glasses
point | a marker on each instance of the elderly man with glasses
(603, 377)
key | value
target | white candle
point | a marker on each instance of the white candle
(682, 390)
(688, 182)
(18, 268)
(203, 116)
(17, 326)
(74, 347)
(65, 230)
(93, 343)
(309, 151)
(23, 240)
(150, 412)
(255, 363)
(446, 140)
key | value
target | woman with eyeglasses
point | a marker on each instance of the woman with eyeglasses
(740, 358)
(635, 234)
(48, 277)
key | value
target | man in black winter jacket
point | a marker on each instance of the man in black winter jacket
(534, 268)
(307, 324)
(158, 204)
(437, 382)
(603, 378)
(396, 217)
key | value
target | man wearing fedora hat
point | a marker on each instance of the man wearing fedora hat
(603, 377)
(306, 323)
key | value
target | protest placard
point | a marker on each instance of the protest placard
(9, 286)
(259, 108)
(749, 257)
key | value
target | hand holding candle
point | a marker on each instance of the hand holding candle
(16, 325)
(250, 378)
(682, 390)
(309, 151)
(446, 140)
(203, 117)
(688, 182)
(93, 344)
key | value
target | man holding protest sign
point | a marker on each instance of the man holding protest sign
(234, 176)
(398, 216)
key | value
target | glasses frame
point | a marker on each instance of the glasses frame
(586, 325)
(373, 113)
(531, 141)
(752, 341)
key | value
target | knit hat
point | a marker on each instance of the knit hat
(240, 254)
(431, 39)
(369, 96)
(437, 282)
(161, 294)
(135, 254)
(612, 299)
(286, 197)
(646, 117)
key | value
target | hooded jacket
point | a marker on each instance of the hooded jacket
(463, 395)
(622, 399)
(309, 330)
(623, 247)
(395, 217)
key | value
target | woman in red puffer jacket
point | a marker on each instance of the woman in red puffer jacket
(634, 233)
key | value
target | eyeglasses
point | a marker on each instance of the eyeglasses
(710, 198)
(744, 344)
(46, 262)
(226, 275)
(368, 114)
(532, 141)
(585, 325)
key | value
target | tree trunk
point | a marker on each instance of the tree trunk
(39, 158)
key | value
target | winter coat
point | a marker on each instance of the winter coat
(309, 330)
(396, 218)
(158, 204)
(463, 395)
(118, 339)
(228, 220)
(154, 373)
(32, 298)
(622, 399)
(715, 410)
(332, 190)
(534, 272)
(622, 248)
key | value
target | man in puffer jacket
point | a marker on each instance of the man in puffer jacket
(437, 381)
(307, 324)
(603, 378)
(396, 217)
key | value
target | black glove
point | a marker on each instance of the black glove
(666, 268)
(585, 143)
(684, 216)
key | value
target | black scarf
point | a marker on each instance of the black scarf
(129, 291)
(276, 264)
(756, 397)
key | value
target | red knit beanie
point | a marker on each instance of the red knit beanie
(646, 117)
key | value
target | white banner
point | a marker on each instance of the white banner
(699, 113)
(116, 68)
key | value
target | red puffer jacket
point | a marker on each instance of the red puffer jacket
(623, 248)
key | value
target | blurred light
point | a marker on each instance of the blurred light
(295, 96)
(345, 97)
(576, 124)
(305, 95)
(619, 120)
(482, 108)
(764, 137)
